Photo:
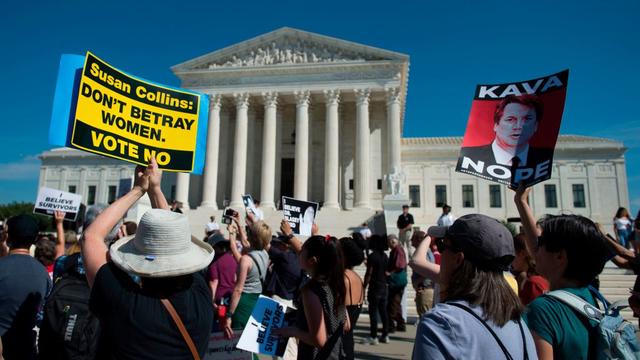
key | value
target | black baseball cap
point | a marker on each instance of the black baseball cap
(216, 238)
(23, 228)
(485, 241)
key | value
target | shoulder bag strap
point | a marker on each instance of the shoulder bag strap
(579, 305)
(257, 265)
(185, 335)
(524, 341)
(495, 336)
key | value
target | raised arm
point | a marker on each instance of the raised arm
(60, 240)
(294, 242)
(527, 219)
(233, 235)
(156, 196)
(421, 265)
(94, 250)
(244, 266)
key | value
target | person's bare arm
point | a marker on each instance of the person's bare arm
(242, 235)
(618, 249)
(233, 235)
(316, 336)
(621, 262)
(213, 285)
(156, 196)
(94, 250)
(421, 265)
(527, 219)
(245, 265)
(60, 240)
(543, 348)
(294, 242)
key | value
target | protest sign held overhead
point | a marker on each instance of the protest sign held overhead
(221, 348)
(100, 109)
(50, 200)
(512, 130)
(267, 314)
(250, 204)
(300, 214)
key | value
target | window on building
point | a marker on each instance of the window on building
(173, 193)
(379, 184)
(111, 196)
(414, 195)
(550, 196)
(578, 196)
(495, 198)
(467, 196)
(72, 189)
(350, 184)
(441, 195)
(91, 195)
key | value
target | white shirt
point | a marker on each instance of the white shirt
(446, 220)
(622, 223)
(504, 157)
(365, 232)
(212, 226)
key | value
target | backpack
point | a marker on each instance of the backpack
(69, 330)
(616, 337)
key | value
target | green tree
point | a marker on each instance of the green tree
(19, 208)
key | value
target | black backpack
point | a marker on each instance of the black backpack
(69, 330)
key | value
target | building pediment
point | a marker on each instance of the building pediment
(288, 47)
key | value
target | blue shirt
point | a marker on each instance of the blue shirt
(448, 332)
(24, 284)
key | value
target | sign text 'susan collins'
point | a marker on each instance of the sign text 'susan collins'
(126, 118)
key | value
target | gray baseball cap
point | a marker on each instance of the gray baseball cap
(485, 241)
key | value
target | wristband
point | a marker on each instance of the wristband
(228, 315)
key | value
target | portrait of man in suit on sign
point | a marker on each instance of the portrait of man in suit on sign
(515, 121)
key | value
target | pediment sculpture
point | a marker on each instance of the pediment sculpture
(290, 51)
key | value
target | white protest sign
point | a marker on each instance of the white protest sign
(50, 200)
(300, 214)
(267, 314)
(250, 205)
(221, 348)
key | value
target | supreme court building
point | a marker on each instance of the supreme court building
(298, 114)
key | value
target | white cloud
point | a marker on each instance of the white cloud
(26, 169)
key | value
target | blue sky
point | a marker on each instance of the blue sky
(453, 46)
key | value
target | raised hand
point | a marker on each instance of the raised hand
(58, 216)
(285, 228)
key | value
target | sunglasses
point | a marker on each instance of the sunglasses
(441, 246)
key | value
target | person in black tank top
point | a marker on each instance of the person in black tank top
(324, 297)
(353, 252)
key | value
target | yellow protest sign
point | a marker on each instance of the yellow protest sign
(123, 117)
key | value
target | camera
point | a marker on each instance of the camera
(227, 216)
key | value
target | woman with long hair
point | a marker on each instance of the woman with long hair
(480, 316)
(623, 227)
(322, 316)
(251, 273)
(530, 283)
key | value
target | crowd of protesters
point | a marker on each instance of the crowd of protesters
(152, 290)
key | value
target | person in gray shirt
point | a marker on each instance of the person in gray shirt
(480, 316)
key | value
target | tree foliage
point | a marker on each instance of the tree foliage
(18, 208)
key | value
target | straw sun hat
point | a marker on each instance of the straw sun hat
(162, 247)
